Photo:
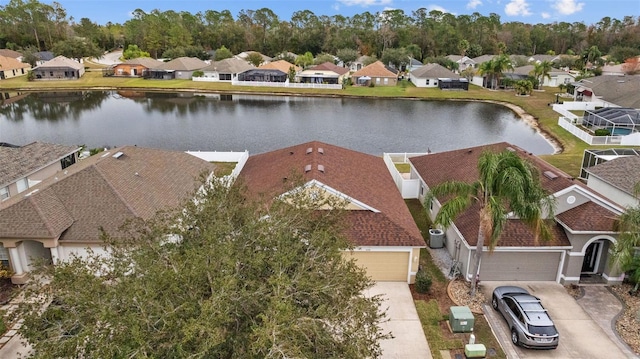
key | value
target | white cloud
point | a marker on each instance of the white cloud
(365, 3)
(517, 8)
(472, 4)
(545, 15)
(568, 7)
(438, 8)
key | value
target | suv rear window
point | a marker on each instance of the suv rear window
(543, 330)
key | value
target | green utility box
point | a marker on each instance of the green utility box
(461, 319)
(475, 351)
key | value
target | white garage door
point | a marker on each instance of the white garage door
(519, 266)
(384, 266)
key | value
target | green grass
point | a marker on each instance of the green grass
(536, 105)
(224, 168)
(403, 167)
(430, 317)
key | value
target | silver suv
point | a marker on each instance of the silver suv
(529, 322)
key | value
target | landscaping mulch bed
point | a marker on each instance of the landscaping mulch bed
(628, 324)
(7, 290)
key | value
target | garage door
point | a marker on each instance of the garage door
(384, 266)
(519, 266)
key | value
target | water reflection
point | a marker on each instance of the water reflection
(258, 123)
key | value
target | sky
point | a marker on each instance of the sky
(527, 11)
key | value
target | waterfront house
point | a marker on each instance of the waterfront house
(59, 68)
(556, 76)
(225, 70)
(138, 67)
(10, 67)
(377, 74)
(325, 73)
(180, 68)
(436, 75)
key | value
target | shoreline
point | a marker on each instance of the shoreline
(528, 118)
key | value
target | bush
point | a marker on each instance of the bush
(423, 282)
(602, 132)
(5, 272)
(198, 73)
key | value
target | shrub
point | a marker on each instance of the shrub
(198, 73)
(602, 132)
(423, 282)
(371, 84)
(5, 272)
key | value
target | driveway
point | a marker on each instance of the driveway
(409, 341)
(580, 336)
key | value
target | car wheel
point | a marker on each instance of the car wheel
(514, 337)
(494, 302)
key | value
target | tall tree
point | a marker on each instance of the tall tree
(506, 184)
(541, 70)
(221, 278)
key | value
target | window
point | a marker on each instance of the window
(386, 81)
(68, 161)
(225, 77)
(4, 193)
(377, 80)
(4, 256)
(23, 184)
(51, 73)
(427, 82)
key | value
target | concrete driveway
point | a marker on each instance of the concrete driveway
(580, 336)
(409, 341)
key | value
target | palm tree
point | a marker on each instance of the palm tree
(624, 252)
(541, 70)
(486, 69)
(508, 186)
(500, 65)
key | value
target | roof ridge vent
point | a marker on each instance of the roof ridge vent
(309, 150)
(321, 168)
(550, 174)
(118, 154)
(307, 168)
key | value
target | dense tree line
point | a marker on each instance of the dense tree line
(423, 33)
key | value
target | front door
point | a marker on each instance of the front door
(591, 257)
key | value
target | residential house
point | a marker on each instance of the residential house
(280, 65)
(263, 75)
(482, 59)
(582, 231)
(536, 59)
(616, 179)
(22, 167)
(43, 56)
(59, 68)
(326, 73)
(11, 53)
(180, 68)
(556, 77)
(359, 63)
(430, 75)
(226, 70)
(413, 64)
(376, 73)
(10, 67)
(609, 90)
(64, 214)
(462, 61)
(481, 79)
(245, 54)
(139, 67)
(386, 240)
(617, 70)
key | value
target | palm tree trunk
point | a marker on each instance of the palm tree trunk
(476, 263)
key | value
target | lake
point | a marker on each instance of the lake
(208, 122)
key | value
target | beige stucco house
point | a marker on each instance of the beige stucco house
(583, 226)
(386, 240)
(325, 73)
(59, 68)
(63, 214)
(377, 74)
(10, 67)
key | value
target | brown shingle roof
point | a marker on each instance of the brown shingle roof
(103, 192)
(183, 64)
(376, 69)
(329, 66)
(438, 167)
(144, 61)
(281, 65)
(61, 62)
(434, 71)
(18, 162)
(622, 173)
(231, 65)
(10, 53)
(9, 63)
(589, 217)
(360, 176)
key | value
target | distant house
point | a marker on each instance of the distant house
(59, 68)
(63, 215)
(462, 61)
(556, 76)
(613, 70)
(244, 55)
(225, 70)
(43, 56)
(326, 73)
(181, 68)
(430, 75)
(376, 73)
(263, 75)
(542, 57)
(482, 59)
(413, 64)
(359, 63)
(385, 238)
(280, 65)
(609, 90)
(139, 67)
(11, 53)
(10, 67)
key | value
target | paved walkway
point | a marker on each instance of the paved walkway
(603, 307)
